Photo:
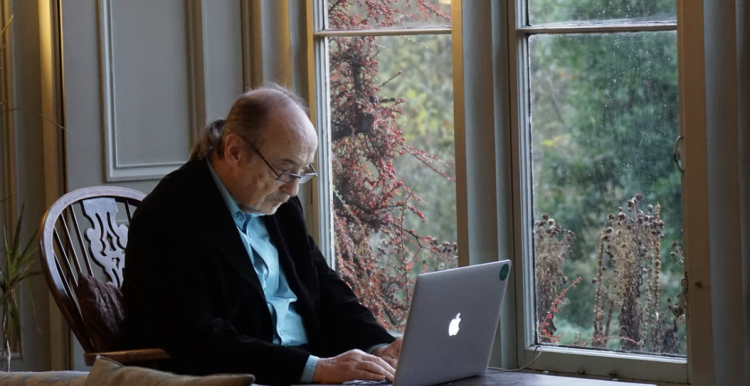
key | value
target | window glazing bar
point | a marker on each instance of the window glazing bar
(440, 30)
(597, 28)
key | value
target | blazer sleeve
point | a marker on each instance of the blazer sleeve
(346, 323)
(167, 287)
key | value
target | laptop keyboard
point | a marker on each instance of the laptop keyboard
(369, 383)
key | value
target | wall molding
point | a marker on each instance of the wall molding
(196, 65)
(8, 128)
(114, 169)
(8, 133)
(55, 159)
(252, 43)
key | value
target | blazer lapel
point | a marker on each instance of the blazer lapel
(291, 260)
(222, 229)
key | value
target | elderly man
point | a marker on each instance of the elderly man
(222, 274)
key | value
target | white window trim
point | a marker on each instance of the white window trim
(514, 342)
(691, 57)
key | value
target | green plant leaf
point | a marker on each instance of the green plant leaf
(12, 327)
(5, 29)
(8, 251)
(27, 275)
(24, 262)
(16, 268)
(31, 296)
(29, 244)
(21, 275)
(29, 250)
(18, 261)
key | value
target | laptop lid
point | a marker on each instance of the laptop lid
(452, 324)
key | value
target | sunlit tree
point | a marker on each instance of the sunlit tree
(369, 196)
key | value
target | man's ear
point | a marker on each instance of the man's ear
(233, 149)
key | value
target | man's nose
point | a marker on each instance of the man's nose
(290, 188)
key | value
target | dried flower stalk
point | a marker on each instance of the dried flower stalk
(627, 281)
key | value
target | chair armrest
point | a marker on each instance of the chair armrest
(130, 356)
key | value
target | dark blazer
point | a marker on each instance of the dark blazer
(190, 287)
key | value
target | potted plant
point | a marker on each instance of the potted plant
(17, 267)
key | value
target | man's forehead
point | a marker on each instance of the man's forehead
(289, 146)
(292, 122)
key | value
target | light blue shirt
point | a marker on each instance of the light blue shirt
(289, 330)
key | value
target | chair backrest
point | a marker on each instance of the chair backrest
(69, 246)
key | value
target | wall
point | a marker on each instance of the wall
(131, 82)
(167, 68)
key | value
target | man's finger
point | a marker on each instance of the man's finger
(365, 375)
(376, 372)
(391, 369)
(380, 362)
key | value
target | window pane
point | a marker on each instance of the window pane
(369, 14)
(606, 193)
(394, 201)
(565, 11)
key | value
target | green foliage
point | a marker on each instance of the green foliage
(557, 11)
(16, 268)
(423, 66)
(380, 238)
(604, 118)
(605, 113)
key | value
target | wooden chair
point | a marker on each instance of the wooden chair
(67, 255)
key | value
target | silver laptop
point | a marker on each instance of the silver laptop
(451, 325)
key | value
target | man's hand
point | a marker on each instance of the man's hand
(390, 353)
(352, 365)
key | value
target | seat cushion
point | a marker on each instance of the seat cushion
(102, 312)
(50, 378)
(107, 372)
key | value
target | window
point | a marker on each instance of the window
(597, 199)
(384, 72)
(598, 115)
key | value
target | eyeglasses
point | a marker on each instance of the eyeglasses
(285, 178)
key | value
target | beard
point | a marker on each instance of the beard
(250, 209)
(275, 199)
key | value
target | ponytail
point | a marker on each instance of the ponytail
(209, 139)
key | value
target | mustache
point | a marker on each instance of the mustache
(282, 198)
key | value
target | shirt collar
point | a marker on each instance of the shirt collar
(240, 218)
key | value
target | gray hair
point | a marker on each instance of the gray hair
(249, 116)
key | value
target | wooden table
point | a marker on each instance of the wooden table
(499, 378)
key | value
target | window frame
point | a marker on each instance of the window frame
(515, 338)
(665, 370)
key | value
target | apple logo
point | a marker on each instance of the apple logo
(453, 327)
